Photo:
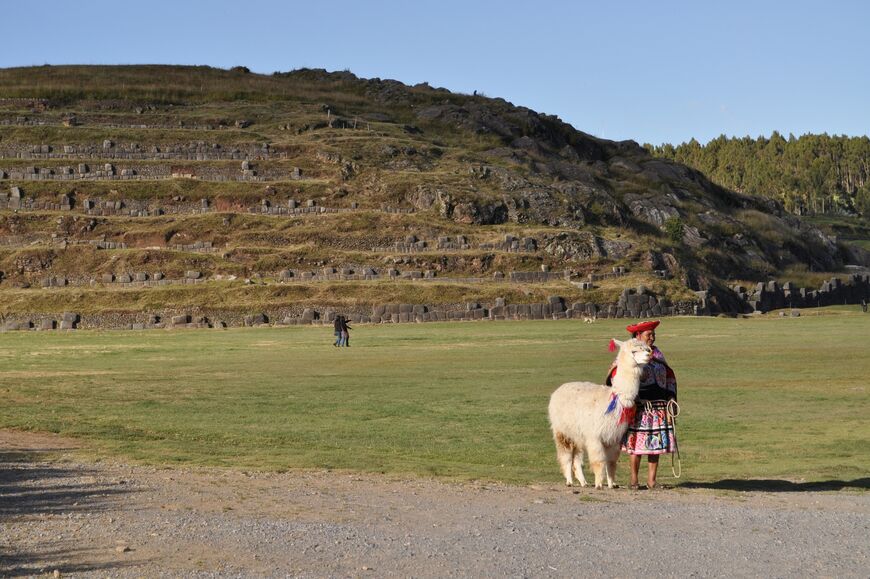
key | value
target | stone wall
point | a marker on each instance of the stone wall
(148, 172)
(16, 199)
(412, 244)
(554, 309)
(199, 151)
(634, 303)
(773, 295)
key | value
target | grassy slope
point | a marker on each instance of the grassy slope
(855, 230)
(767, 397)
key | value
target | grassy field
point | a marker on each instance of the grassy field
(775, 398)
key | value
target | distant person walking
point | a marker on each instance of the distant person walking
(336, 326)
(345, 333)
(864, 305)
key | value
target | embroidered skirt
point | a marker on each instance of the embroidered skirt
(651, 431)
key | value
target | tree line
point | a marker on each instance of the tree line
(810, 174)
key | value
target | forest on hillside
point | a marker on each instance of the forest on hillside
(810, 174)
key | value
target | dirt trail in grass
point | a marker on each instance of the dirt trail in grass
(98, 519)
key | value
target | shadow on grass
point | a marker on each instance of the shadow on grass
(779, 485)
(34, 490)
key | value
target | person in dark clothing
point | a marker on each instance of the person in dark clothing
(651, 432)
(864, 305)
(336, 326)
(345, 333)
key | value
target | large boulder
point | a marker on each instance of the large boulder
(652, 209)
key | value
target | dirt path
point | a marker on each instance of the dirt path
(99, 519)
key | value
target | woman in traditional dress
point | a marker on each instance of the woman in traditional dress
(651, 431)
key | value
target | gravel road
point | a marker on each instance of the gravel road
(62, 516)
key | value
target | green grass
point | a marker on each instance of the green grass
(779, 398)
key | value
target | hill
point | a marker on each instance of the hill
(135, 193)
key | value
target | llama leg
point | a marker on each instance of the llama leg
(578, 466)
(612, 457)
(565, 454)
(598, 461)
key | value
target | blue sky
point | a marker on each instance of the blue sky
(656, 72)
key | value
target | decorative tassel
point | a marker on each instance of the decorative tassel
(614, 400)
(627, 415)
(612, 346)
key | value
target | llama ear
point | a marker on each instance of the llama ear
(614, 344)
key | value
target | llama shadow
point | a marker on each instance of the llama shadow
(779, 486)
(32, 488)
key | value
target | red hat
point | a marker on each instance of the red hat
(643, 326)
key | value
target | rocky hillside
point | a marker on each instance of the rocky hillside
(155, 188)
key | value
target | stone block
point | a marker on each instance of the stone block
(47, 325)
(256, 320)
(124, 278)
(180, 319)
(64, 325)
(193, 274)
(107, 278)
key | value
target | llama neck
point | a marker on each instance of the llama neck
(626, 382)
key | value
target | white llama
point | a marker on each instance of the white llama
(587, 416)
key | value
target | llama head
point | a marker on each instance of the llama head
(633, 352)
